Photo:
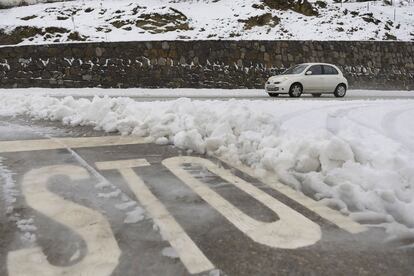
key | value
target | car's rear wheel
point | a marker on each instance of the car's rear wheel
(316, 95)
(273, 94)
(296, 90)
(340, 91)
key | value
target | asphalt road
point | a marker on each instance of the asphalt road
(141, 94)
(260, 97)
(91, 204)
(264, 98)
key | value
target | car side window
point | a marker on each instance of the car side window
(329, 70)
(316, 70)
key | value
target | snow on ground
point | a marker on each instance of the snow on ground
(126, 20)
(355, 156)
(170, 252)
(135, 215)
(9, 192)
(8, 195)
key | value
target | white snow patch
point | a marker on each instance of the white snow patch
(214, 272)
(112, 194)
(162, 141)
(75, 255)
(28, 238)
(8, 186)
(102, 184)
(125, 205)
(170, 253)
(135, 215)
(26, 225)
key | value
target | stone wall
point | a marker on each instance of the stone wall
(201, 64)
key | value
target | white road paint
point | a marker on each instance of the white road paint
(325, 212)
(62, 143)
(103, 251)
(191, 256)
(292, 230)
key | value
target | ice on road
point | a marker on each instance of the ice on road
(354, 156)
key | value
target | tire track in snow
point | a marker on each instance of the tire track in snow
(389, 125)
(388, 122)
(333, 120)
(289, 116)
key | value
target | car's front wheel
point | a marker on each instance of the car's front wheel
(340, 91)
(273, 94)
(296, 90)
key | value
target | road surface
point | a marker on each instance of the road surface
(142, 94)
(91, 204)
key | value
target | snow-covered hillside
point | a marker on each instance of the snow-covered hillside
(126, 20)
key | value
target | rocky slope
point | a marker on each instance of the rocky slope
(126, 20)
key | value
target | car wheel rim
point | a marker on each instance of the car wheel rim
(296, 90)
(341, 90)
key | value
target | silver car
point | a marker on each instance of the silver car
(310, 78)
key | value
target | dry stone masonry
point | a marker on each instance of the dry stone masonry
(201, 64)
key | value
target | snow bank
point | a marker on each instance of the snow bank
(354, 156)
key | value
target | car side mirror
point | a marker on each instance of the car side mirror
(309, 73)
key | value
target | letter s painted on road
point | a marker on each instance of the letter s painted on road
(103, 250)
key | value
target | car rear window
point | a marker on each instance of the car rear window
(329, 70)
(316, 70)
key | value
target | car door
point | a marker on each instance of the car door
(331, 78)
(313, 79)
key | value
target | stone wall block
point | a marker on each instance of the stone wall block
(210, 64)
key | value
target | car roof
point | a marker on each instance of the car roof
(318, 63)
